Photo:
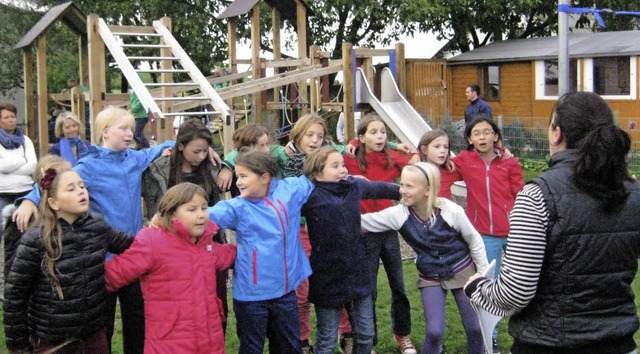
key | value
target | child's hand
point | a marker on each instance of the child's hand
(155, 221)
(350, 150)
(414, 158)
(166, 152)
(403, 148)
(507, 154)
(472, 278)
(225, 177)
(23, 214)
(214, 157)
(451, 166)
(290, 149)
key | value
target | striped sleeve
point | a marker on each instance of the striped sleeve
(522, 262)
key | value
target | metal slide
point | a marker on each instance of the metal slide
(393, 108)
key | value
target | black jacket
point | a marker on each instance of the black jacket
(32, 306)
(584, 302)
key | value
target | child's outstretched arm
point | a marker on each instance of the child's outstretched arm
(117, 241)
(225, 256)
(391, 218)
(378, 190)
(137, 260)
(18, 290)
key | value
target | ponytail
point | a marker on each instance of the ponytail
(601, 167)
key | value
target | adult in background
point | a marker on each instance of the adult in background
(70, 146)
(574, 242)
(476, 105)
(17, 156)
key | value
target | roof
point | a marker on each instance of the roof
(287, 8)
(583, 45)
(68, 13)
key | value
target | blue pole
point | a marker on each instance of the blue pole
(392, 63)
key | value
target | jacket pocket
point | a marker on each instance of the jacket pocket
(160, 321)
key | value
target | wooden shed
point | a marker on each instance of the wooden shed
(519, 78)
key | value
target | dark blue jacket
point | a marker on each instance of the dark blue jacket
(475, 108)
(338, 254)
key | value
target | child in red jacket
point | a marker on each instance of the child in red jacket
(177, 265)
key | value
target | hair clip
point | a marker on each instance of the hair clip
(47, 179)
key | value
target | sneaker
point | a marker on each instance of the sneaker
(496, 349)
(345, 343)
(406, 346)
(307, 348)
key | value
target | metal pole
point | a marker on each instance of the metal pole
(563, 50)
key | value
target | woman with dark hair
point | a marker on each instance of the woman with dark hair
(574, 242)
(18, 157)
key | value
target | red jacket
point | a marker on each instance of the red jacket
(377, 171)
(447, 178)
(178, 280)
(491, 190)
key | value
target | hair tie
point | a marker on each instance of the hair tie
(47, 179)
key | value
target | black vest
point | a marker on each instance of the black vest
(584, 301)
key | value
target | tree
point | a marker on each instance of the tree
(12, 27)
(469, 24)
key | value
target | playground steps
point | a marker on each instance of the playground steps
(165, 57)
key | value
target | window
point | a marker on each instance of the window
(547, 78)
(490, 82)
(611, 77)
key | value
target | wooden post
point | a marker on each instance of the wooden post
(229, 122)
(97, 67)
(401, 70)
(29, 114)
(348, 89)
(166, 131)
(301, 16)
(315, 97)
(43, 96)
(277, 53)
(83, 79)
(255, 61)
(77, 107)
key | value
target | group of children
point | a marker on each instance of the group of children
(299, 218)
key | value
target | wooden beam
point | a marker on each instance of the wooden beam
(265, 84)
(401, 69)
(97, 66)
(132, 29)
(255, 60)
(232, 29)
(29, 113)
(286, 63)
(43, 98)
(315, 87)
(370, 52)
(301, 17)
(166, 131)
(348, 90)
(277, 53)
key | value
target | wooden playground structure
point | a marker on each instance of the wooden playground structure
(307, 74)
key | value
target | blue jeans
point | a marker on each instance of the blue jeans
(386, 246)
(276, 319)
(494, 246)
(138, 134)
(362, 324)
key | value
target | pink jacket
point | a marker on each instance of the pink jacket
(491, 190)
(178, 280)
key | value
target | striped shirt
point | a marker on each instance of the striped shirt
(516, 286)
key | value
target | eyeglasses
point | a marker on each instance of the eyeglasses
(486, 132)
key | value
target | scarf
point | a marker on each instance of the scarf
(66, 149)
(11, 141)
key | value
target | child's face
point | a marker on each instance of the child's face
(437, 151)
(194, 153)
(413, 188)
(251, 184)
(334, 169)
(262, 144)
(71, 197)
(375, 138)
(193, 215)
(70, 129)
(312, 138)
(483, 137)
(118, 136)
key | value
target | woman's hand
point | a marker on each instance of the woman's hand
(225, 177)
(23, 214)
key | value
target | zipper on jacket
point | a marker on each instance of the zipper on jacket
(254, 263)
(284, 243)
(487, 179)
